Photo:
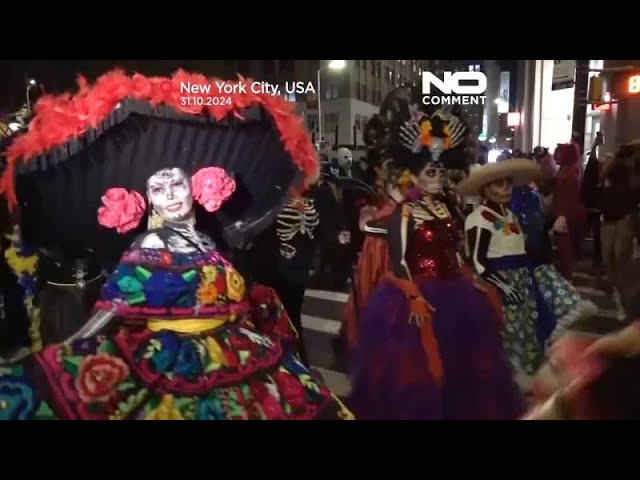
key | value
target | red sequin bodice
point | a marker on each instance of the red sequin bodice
(432, 249)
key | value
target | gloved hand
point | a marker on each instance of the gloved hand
(510, 294)
(344, 237)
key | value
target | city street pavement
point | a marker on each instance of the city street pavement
(322, 316)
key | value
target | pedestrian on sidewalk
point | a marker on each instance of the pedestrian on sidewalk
(570, 215)
(591, 196)
(620, 200)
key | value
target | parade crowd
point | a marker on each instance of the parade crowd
(156, 259)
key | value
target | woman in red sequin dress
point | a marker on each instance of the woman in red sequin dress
(429, 346)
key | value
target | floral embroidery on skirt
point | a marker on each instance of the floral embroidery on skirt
(558, 293)
(520, 322)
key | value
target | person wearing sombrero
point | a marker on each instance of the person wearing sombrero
(172, 336)
(428, 344)
(538, 303)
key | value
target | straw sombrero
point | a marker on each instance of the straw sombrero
(522, 170)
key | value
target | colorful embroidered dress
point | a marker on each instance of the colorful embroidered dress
(536, 300)
(568, 305)
(185, 350)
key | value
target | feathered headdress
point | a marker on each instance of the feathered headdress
(416, 134)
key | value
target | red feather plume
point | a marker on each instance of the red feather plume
(61, 118)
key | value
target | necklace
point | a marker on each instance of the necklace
(508, 224)
(439, 209)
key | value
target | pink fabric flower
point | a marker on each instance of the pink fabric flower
(121, 209)
(211, 187)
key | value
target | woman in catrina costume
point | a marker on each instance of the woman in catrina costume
(538, 303)
(172, 336)
(390, 187)
(428, 344)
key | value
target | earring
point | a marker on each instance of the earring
(155, 220)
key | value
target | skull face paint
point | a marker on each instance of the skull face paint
(430, 179)
(169, 191)
(345, 159)
(499, 191)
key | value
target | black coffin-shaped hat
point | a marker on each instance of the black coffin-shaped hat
(122, 129)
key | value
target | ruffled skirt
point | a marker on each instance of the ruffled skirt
(229, 373)
(390, 374)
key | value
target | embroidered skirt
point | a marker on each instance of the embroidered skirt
(230, 373)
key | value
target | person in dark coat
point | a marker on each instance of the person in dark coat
(282, 255)
(591, 196)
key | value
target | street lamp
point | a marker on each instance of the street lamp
(337, 64)
(334, 65)
(31, 83)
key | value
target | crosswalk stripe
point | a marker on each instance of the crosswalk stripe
(583, 275)
(606, 312)
(337, 382)
(591, 291)
(327, 295)
(320, 324)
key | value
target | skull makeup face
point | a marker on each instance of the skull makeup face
(169, 191)
(345, 158)
(430, 179)
(499, 191)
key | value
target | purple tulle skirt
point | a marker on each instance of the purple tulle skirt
(389, 370)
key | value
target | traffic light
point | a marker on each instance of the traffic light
(626, 84)
(633, 84)
(596, 89)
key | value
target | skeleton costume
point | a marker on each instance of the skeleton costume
(173, 335)
(538, 303)
(281, 257)
(339, 194)
(428, 344)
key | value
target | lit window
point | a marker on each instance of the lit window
(471, 68)
(477, 68)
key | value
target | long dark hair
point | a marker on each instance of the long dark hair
(373, 161)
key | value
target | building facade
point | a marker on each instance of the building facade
(546, 115)
(351, 96)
